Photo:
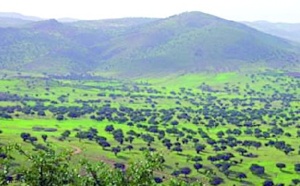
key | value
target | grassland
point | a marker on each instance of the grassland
(203, 105)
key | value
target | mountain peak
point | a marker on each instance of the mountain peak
(49, 24)
(195, 15)
(191, 41)
(194, 19)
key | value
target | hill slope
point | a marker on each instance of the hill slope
(195, 42)
(8, 19)
(289, 31)
(12, 22)
(188, 42)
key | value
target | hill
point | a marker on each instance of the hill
(188, 42)
(19, 16)
(195, 42)
(290, 31)
(12, 22)
(9, 19)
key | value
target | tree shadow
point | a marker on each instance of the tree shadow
(241, 182)
(286, 172)
(168, 167)
(89, 142)
(132, 152)
(122, 157)
(264, 176)
(180, 154)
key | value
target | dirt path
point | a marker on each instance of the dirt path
(112, 162)
(77, 150)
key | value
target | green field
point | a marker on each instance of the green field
(221, 112)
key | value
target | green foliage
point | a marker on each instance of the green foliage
(140, 173)
(53, 168)
(47, 168)
(5, 164)
(255, 112)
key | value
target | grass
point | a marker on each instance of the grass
(89, 89)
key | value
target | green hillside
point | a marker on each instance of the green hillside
(188, 42)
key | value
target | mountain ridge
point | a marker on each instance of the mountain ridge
(290, 31)
(187, 42)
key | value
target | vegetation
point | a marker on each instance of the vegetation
(217, 129)
(206, 101)
(49, 168)
(184, 43)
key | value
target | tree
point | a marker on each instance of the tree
(220, 134)
(80, 135)
(241, 175)
(116, 150)
(280, 166)
(296, 181)
(41, 113)
(197, 158)
(256, 144)
(268, 183)
(44, 136)
(66, 134)
(32, 139)
(120, 140)
(104, 144)
(216, 181)
(158, 180)
(25, 136)
(177, 149)
(199, 148)
(242, 151)
(175, 173)
(60, 117)
(174, 123)
(119, 166)
(130, 139)
(109, 128)
(256, 169)
(47, 168)
(198, 166)
(297, 167)
(129, 147)
(168, 145)
(186, 171)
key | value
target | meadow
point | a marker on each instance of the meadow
(225, 128)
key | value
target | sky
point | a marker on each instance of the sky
(238, 10)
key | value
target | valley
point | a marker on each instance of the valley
(219, 128)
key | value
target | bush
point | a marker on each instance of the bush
(49, 168)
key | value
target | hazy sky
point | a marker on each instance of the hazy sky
(248, 10)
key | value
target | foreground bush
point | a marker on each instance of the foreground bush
(51, 168)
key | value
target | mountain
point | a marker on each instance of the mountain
(15, 20)
(12, 22)
(112, 23)
(183, 43)
(19, 16)
(290, 31)
(195, 41)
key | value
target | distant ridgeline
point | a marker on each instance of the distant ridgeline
(184, 43)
